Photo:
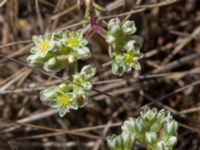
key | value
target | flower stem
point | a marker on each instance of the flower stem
(73, 69)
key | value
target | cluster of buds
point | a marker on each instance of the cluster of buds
(68, 96)
(59, 50)
(125, 46)
(155, 130)
(124, 141)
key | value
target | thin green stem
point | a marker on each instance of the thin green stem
(73, 69)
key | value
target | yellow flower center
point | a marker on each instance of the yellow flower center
(44, 46)
(73, 42)
(129, 59)
(65, 100)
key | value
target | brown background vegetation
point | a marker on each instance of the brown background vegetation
(169, 77)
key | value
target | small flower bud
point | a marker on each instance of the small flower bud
(114, 142)
(110, 38)
(162, 146)
(149, 115)
(84, 53)
(53, 65)
(150, 137)
(71, 59)
(172, 141)
(171, 127)
(114, 25)
(121, 142)
(64, 87)
(129, 27)
(35, 60)
(139, 125)
(129, 125)
(49, 96)
(118, 67)
(130, 45)
(88, 72)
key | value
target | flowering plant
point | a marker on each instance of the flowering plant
(125, 46)
(55, 52)
(59, 50)
(68, 96)
(155, 130)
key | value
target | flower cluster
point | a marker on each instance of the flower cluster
(155, 130)
(68, 96)
(59, 50)
(123, 141)
(125, 46)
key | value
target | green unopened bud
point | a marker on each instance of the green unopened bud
(54, 65)
(49, 96)
(114, 142)
(35, 60)
(162, 117)
(83, 53)
(121, 142)
(149, 115)
(150, 137)
(71, 58)
(129, 27)
(118, 68)
(65, 87)
(161, 114)
(172, 140)
(114, 25)
(88, 72)
(139, 125)
(171, 127)
(83, 78)
(129, 125)
(110, 38)
(130, 45)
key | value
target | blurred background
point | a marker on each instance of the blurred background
(169, 77)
